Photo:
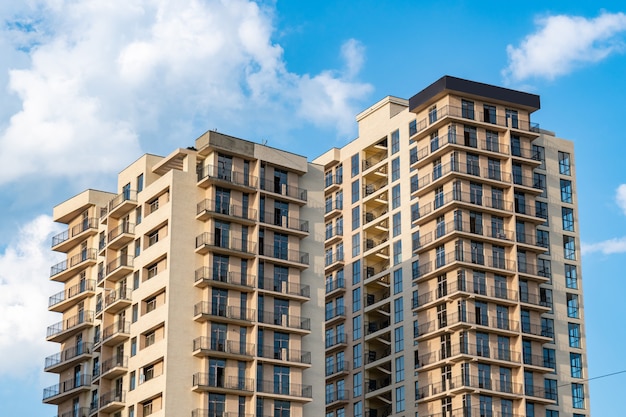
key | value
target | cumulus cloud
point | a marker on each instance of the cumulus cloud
(562, 43)
(102, 81)
(24, 291)
(615, 245)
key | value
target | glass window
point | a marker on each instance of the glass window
(539, 154)
(467, 109)
(564, 163)
(395, 142)
(578, 396)
(357, 355)
(358, 409)
(356, 299)
(398, 310)
(552, 413)
(356, 327)
(412, 127)
(400, 401)
(356, 272)
(539, 181)
(530, 409)
(571, 278)
(395, 169)
(541, 209)
(576, 364)
(355, 191)
(397, 224)
(413, 155)
(543, 238)
(356, 217)
(569, 247)
(572, 305)
(357, 383)
(397, 252)
(354, 162)
(415, 212)
(566, 191)
(549, 358)
(397, 281)
(567, 214)
(399, 368)
(550, 388)
(395, 199)
(574, 334)
(414, 183)
(399, 339)
(356, 244)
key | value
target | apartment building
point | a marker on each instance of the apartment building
(452, 261)
(193, 290)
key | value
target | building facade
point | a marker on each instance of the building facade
(452, 261)
(193, 290)
(432, 265)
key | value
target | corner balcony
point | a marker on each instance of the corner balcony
(373, 160)
(207, 209)
(122, 204)
(65, 240)
(69, 297)
(210, 174)
(204, 412)
(112, 401)
(285, 321)
(293, 392)
(117, 300)
(291, 357)
(72, 266)
(214, 242)
(208, 346)
(115, 334)
(287, 257)
(69, 327)
(203, 382)
(121, 236)
(537, 331)
(287, 288)
(113, 367)
(294, 194)
(119, 268)
(371, 270)
(205, 311)
(285, 223)
(213, 277)
(68, 358)
(59, 393)
(443, 172)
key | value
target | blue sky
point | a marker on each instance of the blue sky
(85, 80)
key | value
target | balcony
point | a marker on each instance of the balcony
(373, 298)
(210, 174)
(71, 296)
(285, 223)
(334, 314)
(373, 160)
(530, 213)
(374, 214)
(122, 204)
(113, 367)
(332, 183)
(82, 412)
(468, 171)
(121, 235)
(118, 268)
(333, 235)
(204, 310)
(65, 240)
(112, 401)
(117, 300)
(207, 346)
(537, 361)
(336, 341)
(295, 194)
(527, 184)
(374, 187)
(455, 321)
(335, 397)
(221, 243)
(370, 270)
(289, 288)
(540, 273)
(70, 326)
(68, 358)
(461, 352)
(289, 257)
(429, 210)
(219, 383)
(116, 333)
(499, 294)
(64, 270)
(444, 262)
(212, 208)
(332, 208)
(338, 285)
(203, 412)
(293, 356)
(447, 230)
(539, 331)
(59, 393)
(337, 368)
(333, 261)
(283, 388)
(535, 300)
(372, 327)
(372, 385)
(294, 323)
(381, 412)
(374, 356)
(502, 388)
(208, 276)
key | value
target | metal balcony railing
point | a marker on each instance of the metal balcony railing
(232, 210)
(69, 323)
(225, 346)
(286, 320)
(285, 287)
(284, 189)
(292, 223)
(221, 174)
(71, 292)
(282, 252)
(229, 277)
(222, 310)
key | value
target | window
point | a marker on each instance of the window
(547, 327)
(149, 338)
(133, 346)
(467, 109)
(356, 217)
(539, 154)
(399, 368)
(355, 191)
(489, 114)
(397, 224)
(147, 408)
(354, 162)
(574, 334)
(135, 313)
(412, 127)
(398, 310)
(395, 142)
(358, 409)
(552, 413)
(357, 355)
(356, 244)
(566, 191)
(576, 364)
(541, 209)
(469, 136)
(572, 305)
(400, 402)
(539, 181)
(569, 247)
(543, 238)
(151, 304)
(530, 409)
(567, 215)
(414, 183)
(131, 382)
(148, 373)
(153, 237)
(395, 169)
(549, 358)
(415, 212)
(356, 327)
(339, 174)
(397, 281)
(395, 199)
(413, 155)
(571, 279)
(357, 383)
(399, 339)
(397, 252)
(356, 272)
(138, 215)
(356, 299)
(564, 163)
(153, 270)
(578, 396)
(549, 385)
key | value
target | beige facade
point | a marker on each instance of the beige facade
(452, 261)
(194, 290)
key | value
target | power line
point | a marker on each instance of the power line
(597, 377)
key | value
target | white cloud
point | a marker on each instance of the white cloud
(562, 43)
(607, 247)
(24, 292)
(103, 80)
(620, 197)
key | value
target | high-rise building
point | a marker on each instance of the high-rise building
(452, 261)
(194, 290)
(220, 278)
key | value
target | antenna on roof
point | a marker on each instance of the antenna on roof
(264, 142)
